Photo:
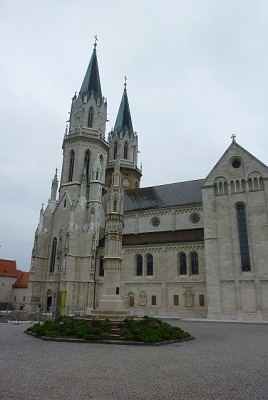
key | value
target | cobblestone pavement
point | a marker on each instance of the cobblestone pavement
(226, 361)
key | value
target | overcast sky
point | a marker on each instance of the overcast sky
(197, 73)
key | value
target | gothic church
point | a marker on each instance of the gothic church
(188, 249)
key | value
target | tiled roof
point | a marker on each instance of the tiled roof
(187, 235)
(180, 236)
(8, 268)
(22, 281)
(163, 196)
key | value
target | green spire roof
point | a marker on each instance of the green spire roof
(123, 120)
(91, 80)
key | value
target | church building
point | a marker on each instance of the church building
(187, 249)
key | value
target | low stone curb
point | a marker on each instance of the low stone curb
(120, 342)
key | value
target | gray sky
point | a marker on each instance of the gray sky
(197, 73)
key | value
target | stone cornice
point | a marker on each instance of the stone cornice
(164, 211)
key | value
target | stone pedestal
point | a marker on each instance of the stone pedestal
(111, 303)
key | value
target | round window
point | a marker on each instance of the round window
(195, 218)
(236, 163)
(155, 221)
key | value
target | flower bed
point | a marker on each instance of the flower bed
(148, 330)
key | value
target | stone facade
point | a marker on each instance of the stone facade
(189, 249)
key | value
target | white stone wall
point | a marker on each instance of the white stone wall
(232, 292)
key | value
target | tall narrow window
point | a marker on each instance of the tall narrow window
(126, 150)
(71, 166)
(131, 299)
(202, 300)
(53, 255)
(90, 118)
(86, 164)
(150, 264)
(243, 237)
(101, 270)
(139, 264)
(115, 206)
(194, 263)
(115, 149)
(176, 300)
(153, 300)
(182, 263)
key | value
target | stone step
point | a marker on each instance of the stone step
(101, 312)
(114, 337)
(113, 316)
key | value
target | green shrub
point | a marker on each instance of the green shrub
(148, 329)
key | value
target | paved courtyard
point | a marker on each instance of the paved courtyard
(226, 361)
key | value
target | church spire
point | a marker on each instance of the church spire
(91, 82)
(123, 120)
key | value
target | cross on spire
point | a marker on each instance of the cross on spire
(233, 137)
(96, 39)
(125, 84)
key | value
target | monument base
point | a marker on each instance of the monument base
(111, 303)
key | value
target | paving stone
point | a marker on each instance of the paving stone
(226, 361)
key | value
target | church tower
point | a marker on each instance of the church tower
(63, 257)
(123, 145)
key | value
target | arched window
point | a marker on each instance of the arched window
(194, 263)
(150, 264)
(126, 150)
(183, 264)
(115, 206)
(86, 164)
(53, 255)
(101, 270)
(139, 265)
(71, 166)
(90, 118)
(243, 236)
(115, 149)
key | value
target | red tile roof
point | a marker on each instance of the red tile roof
(8, 268)
(22, 281)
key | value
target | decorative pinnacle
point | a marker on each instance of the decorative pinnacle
(125, 84)
(233, 137)
(96, 39)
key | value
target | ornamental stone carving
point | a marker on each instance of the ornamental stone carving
(142, 298)
(188, 298)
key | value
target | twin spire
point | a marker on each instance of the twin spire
(91, 83)
(123, 121)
